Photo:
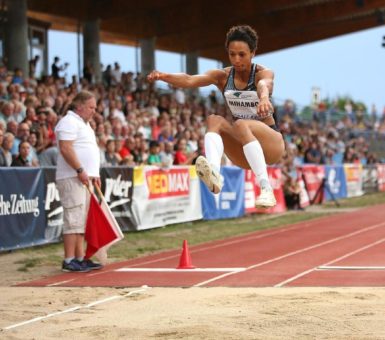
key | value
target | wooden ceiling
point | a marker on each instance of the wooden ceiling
(200, 25)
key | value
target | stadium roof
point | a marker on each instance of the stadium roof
(200, 25)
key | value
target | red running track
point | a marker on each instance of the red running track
(346, 249)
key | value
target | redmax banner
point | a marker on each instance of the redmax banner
(252, 190)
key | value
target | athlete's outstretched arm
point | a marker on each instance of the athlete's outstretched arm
(184, 80)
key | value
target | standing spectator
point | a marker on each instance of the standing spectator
(78, 165)
(107, 77)
(56, 68)
(116, 74)
(32, 66)
(88, 72)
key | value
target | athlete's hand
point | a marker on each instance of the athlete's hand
(264, 107)
(153, 76)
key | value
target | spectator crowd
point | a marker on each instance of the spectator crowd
(137, 124)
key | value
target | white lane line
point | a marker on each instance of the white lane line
(58, 283)
(350, 268)
(175, 270)
(317, 245)
(330, 262)
(76, 308)
(240, 239)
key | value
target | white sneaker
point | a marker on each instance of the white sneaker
(208, 175)
(266, 199)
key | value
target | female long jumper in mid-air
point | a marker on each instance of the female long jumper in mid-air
(252, 139)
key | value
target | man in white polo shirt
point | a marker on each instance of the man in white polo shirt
(78, 166)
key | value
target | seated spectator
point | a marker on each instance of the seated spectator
(111, 156)
(154, 157)
(23, 133)
(128, 161)
(48, 157)
(181, 156)
(22, 157)
(7, 147)
(3, 161)
(313, 154)
(167, 154)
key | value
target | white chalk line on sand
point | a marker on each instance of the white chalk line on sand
(76, 308)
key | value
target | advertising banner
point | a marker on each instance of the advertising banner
(335, 184)
(252, 190)
(52, 206)
(165, 196)
(369, 178)
(353, 175)
(381, 176)
(313, 177)
(22, 217)
(117, 189)
(230, 202)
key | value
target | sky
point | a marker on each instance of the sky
(349, 65)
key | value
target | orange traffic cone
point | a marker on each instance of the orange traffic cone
(185, 258)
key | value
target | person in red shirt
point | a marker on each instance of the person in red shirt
(181, 156)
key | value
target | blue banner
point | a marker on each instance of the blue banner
(22, 215)
(335, 182)
(230, 202)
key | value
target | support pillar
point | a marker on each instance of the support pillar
(192, 68)
(192, 63)
(16, 36)
(91, 47)
(147, 55)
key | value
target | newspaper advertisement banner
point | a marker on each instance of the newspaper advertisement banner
(52, 206)
(22, 217)
(313, 177)
(252, 191)
(335, 184)
(230, 202)
(117, 188)
(381, 176)
(165, 196)
(369, 178)
(353, 175)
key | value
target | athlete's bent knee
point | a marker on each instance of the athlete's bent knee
(215, 123)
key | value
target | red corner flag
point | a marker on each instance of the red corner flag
(102, 230)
